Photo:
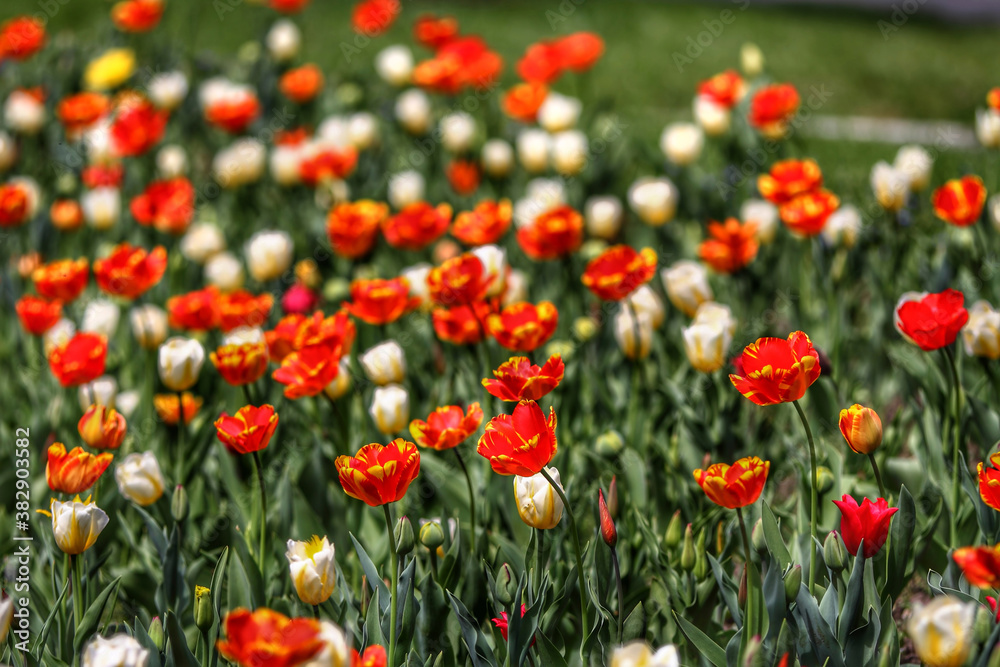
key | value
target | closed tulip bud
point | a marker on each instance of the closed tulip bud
(603, 216)
(584, 328)
(862, 428)
(313, 569)
(793, 581)
(458, 130)
(390, 409)
(179, 504)
(824, 479)
(674, 531)
(720, 538)
(608, 531)
(341, 384)
(757, 537)
(834, 552)
(180, 362)
(983, 624)
(403, 533)
(533, 148)
(687, 551)
(202, 241)
(538, 504)
(139, 479)
(890, 185)
(224, 271)
(916, 163)
(413, 111)
(634, 333)
(751, 59)
(988, 127)
(613, 497)
(706, 345)
(741, 596)
(431, 535)
(149, 325)
(506, 585)
(406, 187)
(101, 207)
(993, 662)
(155, 632)
(713, 117)
(283, 40)
(116, 651)
(569, 152)
(204, 613)
(385, 363)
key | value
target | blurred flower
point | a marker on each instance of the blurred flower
(686, 284)
(435, 31)
(136, 15)
(353, 227)
(523, 326)
(558, 112)
(485, 224)
(890, 185)
(21, 37)
(79, 360)
(63, 279)
(711, 116)
(362, 130)
(788, 179)
(731, 247)
(447, 426)
(57, 335)
(341, 384)
(201, 242)
(942, 631)
(249, 430)
(283, 40)
(843, 227)
(981, 335)
(241, 359)
(464, 62)
(862, 428)
(638, 654)
(102, 391)
(307, 371)
(229, 106)
(224, 271)
(168, 407)
(194, 311)
(405, 188)
(301, 84)
(240, 163)
(171, 161)
(725, 89)
(868, 522)
(633, 332)
(806, 215)
(266, 637)
(603, 216)
(619, 271)
(461, 280)
(417, 225)
(167, 206)
(980, 565)
(380, 302)
(130, 272)
(916, 163)
(989, 481)
(74, 471)
(654, 200)
(538, 504)
(139, 478)
(523, 100)
(555, 233)
(776, 370)
(521, 443)
(119, 650)
(960, 201)
(149, 325)
(569, 152)
(463, 176)
(458, 130)
(313, 569)
(384, 363)
(336, 331)
(136, 127)
(681, 143)
(101, 427)
(168, 89)
(38, 315)
(373, 17)
(533, 149)
(379, 475)
(390, 408)
(706, 345)
(109, 70)
(931, 321)
(269, 254)
(81, 111)
(394, 64)
(988, 127)
(462, 325)
(101, 207)
(772, 108)
(497, 158)
(324, 163)
(179, 362)
(413, 111)
(734, 486)
(24, 112)
(66, 215)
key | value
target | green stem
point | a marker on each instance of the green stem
(472, 496)
(878, 476)
(750, 611)
(956, 391)
(316, 611)
(812, 497)
(76, 567)
(206, 658)
(621, 594)
(395, 585)
(179, 472)
(576, 545)
(262, 530)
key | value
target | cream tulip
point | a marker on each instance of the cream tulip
(139, 478)
(76, 524)
(126, 402)
(494, 259)
(638, 654)
(335, 651)
(362, 130)
(118, 650)
(711, 312)
(341, 384)
(515, 287)
(988, 127)
(646, 301)
(843, 227)
(283, 40)
(283, 164)
(171, 161)
(8, 151)
(706, 345)
(413, 111)
(240, 163)
(100, 391)
(416, 275)
(313, 569)
(981, 334)
(458, 129)
(201, 241)
(764, 214)
(654, 200)
(942, 631)
(384, 363)
(916, 163)
(559, 112)
(179, 363)
(168, 89)
(713, 118)
(224, 271)
(101, 316)
(681, 143)
(602, 216)
(538, 504)
(751, 59)
(6, 616)
(57, 335)
(390, 409)
(101, 207)
(633, 332)
(890, 186)
(23, 112)
(993, 209)
(269, 255)
(497, 158)
(406, 187)
(569, 152)
(686, 283)
(394, 64)
(533, 148)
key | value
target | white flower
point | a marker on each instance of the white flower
(240, 163)
(202, 241)
(101, 316)
(362, 130)
(602, 215)
(551, 191)
(686, 283)
(126, 402)
(283, 40)
(559, 112)
(458, 129)
(416, 275)
(171, 161)
(681, 143)
(168, 89)
(711, 312)
(843, 226)
(751, 59)
(497, 158)
(405, 188)
(335, 652)
(981, 334)
(313, 569)
(942, 631)
(284, 164)
(341, 384)
(101, 207)
(58, 335)
(100, 391)
(646, 301)
(654, 200)
(413, 111)
(98, 142)
(394, 65)
(494, 259)
(23, 113)
(139, 478)
(764, 214)
(269, 254)
(988, 127)
(633, 332)
(533, 147)
(537, 502)
(993, 208)
(76, 525)
(569, 152)
(890, 185)
(390, 409)
(116, 651)
(384, 363)
(711, 116)
(8, 151)
(638, 654)
(706, 345)
(225, 271)
(516, 287)
(179, 362)
(916, 163)
(245, 335)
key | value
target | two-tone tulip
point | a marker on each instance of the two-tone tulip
(102, 427)
(313, 569)
(179, 362)
(139, 478)
(538, 504)
(76, 524)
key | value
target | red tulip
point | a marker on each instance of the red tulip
(521, 443)
(868, 522)
(517, 379)
(775, 370)
(980, 565)
(249, 430)
(934, 320)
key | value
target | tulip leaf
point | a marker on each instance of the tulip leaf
(775, 603)
(708, 648)
(829, 606)
(984, 658)
(250, 569)
(374, 579)
(475, 640)
(854, 597)
(218, 576)
(141, 636)
(772, 537)
(548, 654)
(900, 557)
(156, 534)
(817, 644)
(635, 624)
(861, 645)
(92, 617)
(43, 634)
(179, 650)
(408, 607)
(728, 590)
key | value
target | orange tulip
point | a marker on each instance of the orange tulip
(862, 428)
(137, 127)
(21, 37)
(523, 327)
(266, 637)
(725, 89)
(446, 427)
(734, 486)
(74, 471)
(517, 379)
(130, 272)
(775, 370)
(281, 339)
(989, 481)
(241, 364)
(555, 233)
(66, 214)
(807, 214)
(788, 179)
(373, 17)
(731, 247)
(465, 62)
(379, 475)
(417, 225)
(235, 113)
(980, 565)
(772, 107)
(79, 112)
(167, 206)
(137, 15)
(381, 301)
(487, 223)
(102, 427)
(434, 32)
(619, 271)
(459, 281)
(14, 205)
(168, 407)
(461, 325)
(521, 443)
(243, 309)
(249, 430)
(308, 371)
(38, 315)
(328, 164)
(301, 84)
(335, 331)
(64, 279)
(960, 201)
(463, 176)
(195, 311)
(523, 101)
(352, 227)
(80, 360)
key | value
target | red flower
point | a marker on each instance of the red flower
(375, 656)
(993, 98)
(934, 320)
(373, 17)
(989, 481)
(736, 485)
(266, 637)
(579, 51)
(446, 427)
(301, 84)
(235, 112)
(137, 15)
(462, 325)
(241, 364)
(249, 430)
(541, 64)
(243, 309)
(337, 330)
(281, 339)
(502, 622)
(21, 37)
(434, 32)
(327, 163)
(168, 408)
(75, 471)
(463, 176)
(517, 379)
(980, 565)
(725, 89)
(775, 370)
(102, 427)
(353, 226)
(553, 234)
(487, 223)
(14, 205)
(195, 311)
(64, 279)
(130, 272)
(307, 372)
(381, 301)
(868, 522)
(772, 107)
(523, 327)
(608, 531)
(619, 271)
(379, 475)
(417, 225)
(807, 214)
(299, 299)
(288, 6)
(732, 247)
(788, 179)
(38, 315)
(80, 360)
(78, 112)
(465, 62)
(66, 214)
(103, 176)
(137, 127)
(521, 443)
(460, 280)
(960, 201)
(166, 205)
(523, 101)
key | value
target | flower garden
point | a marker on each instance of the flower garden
(427, 360)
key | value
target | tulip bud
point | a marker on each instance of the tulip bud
(149, 325)
(793, 581)
(720, 541)
(155, 632)
(497, 158)
(993, 662)
(538, 504)
(506, 585)
(179, 504)
(403, 534)
(754, 656)
(687, 551)
(385, 363)
(757, 537)
(824, 479)
(634, 333)
(862, 428)
(608, 531)
(390, 409)
(701, 557)
(609, 443)
(834, 552)
(741, 596)
(613, 497)
(431, 535)
(654, 200)
(204, 614)
(674, 528)
(102, 427)
(983, 624)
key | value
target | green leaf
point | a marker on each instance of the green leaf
(141, 636)
(43, 634)
(475, 641)
(635, 624)
(179, 650)
(728, 590)
(86, 627)
(374, 579)
(548, 654)
(772, 537)
(899, 563)
(854, 598)
(708, 648)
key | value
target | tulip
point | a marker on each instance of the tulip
(119, 650)
(862, 428)
(687, 287)
(101, 207)
(458, 129)
(6, 616)
(619, 271)
(74, 471)
(533, 148)
(494, 260)
(602, 216)
(313, 569)
(283, 40)
(249, 430)
(102, 428)
(634, 333)
(58, 335)
(988, 127)
(167, 89)
(431, 535)
(379, 475)
(80, 360)
(394, 64)
(204, 613)
(558, 113)
(405, 188)
(23, 112)
(240, 163)
(497, 158)
(523, 327)
(791, 365)
(522, 443)
(518, 379)
(202, 241)
(266, 637)
(224, 271)
(734, 486)
(960, 201)
(868, 521)
(102, 391)
(335, 651)
(942, 630)
(362, 130)
(130, 272)
(931, 321)
(390, 408)
(713, 117)
(139, 478)
(413, 111)
(76, 524)
(654, 200)
(638, 654)
(707, 345)
(179, 362)
(269, 255)
(989, 481)
(842, 227)
(681, 143)
(569, 152)
(980, 565)
(646, 301)
(168, 407)
(916, 163)
(538, 504)
(384, 363)
(762, 213)
(608, 531)
(446, 427)
(981, 335)
(341, 384)
(149, 325)
(101, 317)
(890, 185)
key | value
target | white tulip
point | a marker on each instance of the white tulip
(406, 187)
(638, 654)
(240, 163)
(537, 502)
(890, 185)
(646, 301)
(988, 127)
(497, 158)
(269, 254)
(633, 332)
(550, 191)
(139, 478)
(101, 207)
(101, 317)
(362, 130)
(341, 384)
(494, 259)
(993, 208)
(706, 345)
(179, 362)
(416, 275)
(313, 569)
(764, 214)
(533, 148)
(335, 652)
(390, 409)
(711, 312)
(981, 334)
(8, 151)
(559, 112)
(283, 40)
(224, 271)
(283, 164)
(942, 631)
(713, 118)
(97, 139)
(686, 283)
(116, 651)
(171, 161)
(76, 525)
(569, 152)
(58, 335)
(413, 111)
(23, 113)
(384, 363)
(394, 65)
(245, 335)
(843, 226)
(681, 143)
(654, 200)
(751, 59)
(168, 89)
(458, 129)
(100, 391)
(516, 287)
(916, 163)
(201, 241)
(126, 402)
(602, 215)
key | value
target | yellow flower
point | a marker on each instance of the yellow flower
(109, 70)
(942, 631)
(313, 569)
(76, 525)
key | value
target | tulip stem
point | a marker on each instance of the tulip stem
(576, 544)
(812, 497)
(316, 611)
(621, 594)
(878, 476)
(259, 469)
(179, 472)
(472, 496)
(75, 567)
(956, 390)
(395, 584)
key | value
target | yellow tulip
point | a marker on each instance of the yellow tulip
(110, 69)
